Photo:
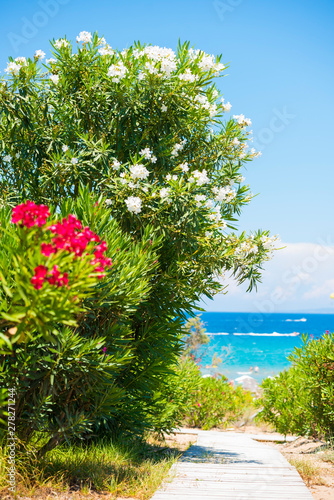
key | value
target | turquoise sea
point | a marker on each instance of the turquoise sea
(262, 340)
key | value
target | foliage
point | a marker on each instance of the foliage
(195, 337)
(143, 130)
(132, 468)
(216, 404)
(68, 384)
(300, 400)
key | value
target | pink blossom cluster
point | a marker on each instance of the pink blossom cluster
(29, 214)
(54, 277)
(69, 235)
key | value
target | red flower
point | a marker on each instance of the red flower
(39, 277)
(29, 214)
(56, 278)
(47, 249)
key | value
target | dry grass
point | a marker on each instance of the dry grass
(309, 470)
(104, 470)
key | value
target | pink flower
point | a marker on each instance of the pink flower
(29, 214)
(56, 278)
(47, 249)
(39, 277)
(198, 404)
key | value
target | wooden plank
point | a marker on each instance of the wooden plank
(223, 466)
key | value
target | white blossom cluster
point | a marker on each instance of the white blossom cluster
(133, 204)
(164, 194)
(184, 167)
(225, 194)
(39, 54)
(200, 178)
(148, 155)
(61, 42)
(226, 105)
(84, 37)
(54, 79)
(139, 172)
(204, 103)
(178, 147)
(268, 242)
(199, 198)
(206, 62)
(242, 121)
(188, 76)
(117, 71)
(115, 164)
(14, 67)
(161, 61)
(246, 248)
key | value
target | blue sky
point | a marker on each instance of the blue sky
(281, 75)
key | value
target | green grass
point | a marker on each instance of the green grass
(126, 469)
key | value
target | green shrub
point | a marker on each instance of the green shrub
(300, 400)
(216, 404)
(136, 128)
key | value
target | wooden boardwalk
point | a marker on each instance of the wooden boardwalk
(232, 466)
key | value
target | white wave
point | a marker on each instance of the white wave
(297, 320)
(273, 334)
(219, 333)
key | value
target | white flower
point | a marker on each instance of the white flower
(132, 185)
(226, 106)
(201, 178)
(108, 202)
(151, 68)
(139, 172)
(177, 148)
(153, 159)
(13, 68)
(141, 76)
(122, 174)
(174, 177)
(199, 198)
(240, 178)
(235, 142)
(61, 42)
(163, 108)
(54, 79)
(208, 234)
(242, 121)
(116, 165)
(39, 54)
(168, 177)
(123, 181)
(7, 158)
(164, 193)
(147, 153)
(184, 166)
(213, 110)
(85, 37)
(210, 204)
(17, 155)
(225, 194)
(64, 148)
(74, 161)
(117, 71)
(21, 60)
(102, 41)
(188, 76)
(106, 51)
(134, 204)
(51, 60)
(215, 94)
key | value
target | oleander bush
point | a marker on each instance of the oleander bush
(300, 399)
(133, 144)
(216, 403)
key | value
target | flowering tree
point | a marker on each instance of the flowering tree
(145, 128)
